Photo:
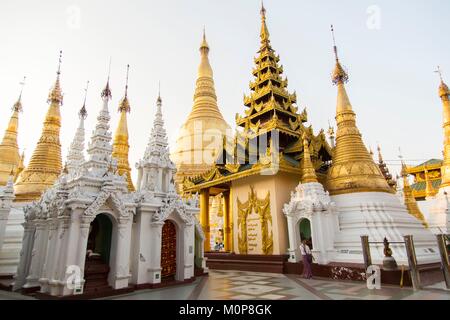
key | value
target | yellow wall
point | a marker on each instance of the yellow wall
(280, 187)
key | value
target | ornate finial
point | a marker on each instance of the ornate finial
(334, 43)
(18, 105)
(444, 93)
(330, 129)
(124, 104)
(339, 74)
(380, 157)
(264, 31)
(106, 93)
(159, 100)
(83, 112)
(439, 72)
(59, 63)
(204, 46)
(55, 95)
(404, 172)
(126, 84)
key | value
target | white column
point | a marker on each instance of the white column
(71, 250)
(49, 256)
(6, 199)
(122, 261)
(25, 254)
(139, 179)
(37, 255)
(57, 280)
(294, 255)
(188, 264)
(154, 270)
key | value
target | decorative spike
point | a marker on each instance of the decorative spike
(334, 43)
(339, 74)
(18, 105)
(55, 95)
(106, 92)
(124, 105)
(83, 112)
(308, 172)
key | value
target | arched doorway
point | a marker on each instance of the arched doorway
(305, 232)
(168, 251)
(97, 254)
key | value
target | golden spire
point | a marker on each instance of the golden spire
(9, 149)
(205, 99)
(120, 144)
(20, 167)
(353, 169)
(45, 163)
(55, 95)
(264, 34)
(408, 197)
(308, 172)
(444, 94)
(192, 154)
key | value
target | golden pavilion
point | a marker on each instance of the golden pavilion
(256, 172)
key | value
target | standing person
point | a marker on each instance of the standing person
(307, 259)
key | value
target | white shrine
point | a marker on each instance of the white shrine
(88, 232)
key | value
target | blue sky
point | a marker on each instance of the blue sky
(390, 61)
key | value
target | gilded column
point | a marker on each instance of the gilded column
(204, 217)
(226, 221)
(444, 94)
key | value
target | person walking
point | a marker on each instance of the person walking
(307, 259)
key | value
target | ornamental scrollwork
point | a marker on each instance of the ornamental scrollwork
(262, 209)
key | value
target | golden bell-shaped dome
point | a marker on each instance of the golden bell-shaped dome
(201, 137)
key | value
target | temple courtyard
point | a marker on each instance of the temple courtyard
(241, 285)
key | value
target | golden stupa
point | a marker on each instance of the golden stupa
(121, 146)
(444, 94)
(10, 159)
(353, 169)
(408, 197)
(201, 137)
(308, 171)
(45, 163)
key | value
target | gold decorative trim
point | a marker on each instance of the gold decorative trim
(262, 208)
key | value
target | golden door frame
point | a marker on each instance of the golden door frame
(262, 208)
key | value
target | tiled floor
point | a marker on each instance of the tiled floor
(240, 285)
